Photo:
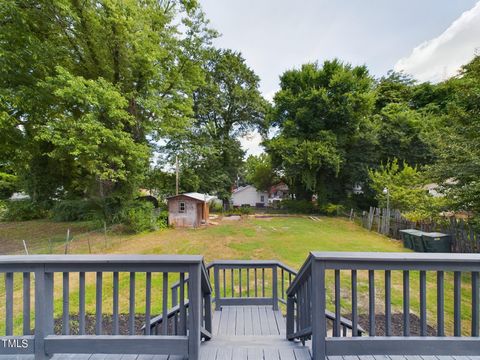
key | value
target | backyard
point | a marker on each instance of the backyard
(286, 239)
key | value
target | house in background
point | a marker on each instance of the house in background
(188, 210)
(278, 192)
(249, 196)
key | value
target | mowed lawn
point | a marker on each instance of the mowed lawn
(287, 239)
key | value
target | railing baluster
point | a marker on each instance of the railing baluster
(371, 302)
(336, 326)
(81, 303)
(457, 289)
(275, 288)
(289, 278)
(98, 303)
(231, 283)
(440, 304)
(115, 324)
(263, 282)
(66, 304)
(388, 303)
(224, 284)
(248, 282)
(183, 310)
(406, 303)
(131, 309)
(240, 281)
(475, 304)
(283, 285)
(26, 303)
(148, 301)
(423, 303)
(256, 283)
(9, 304)
(354, 304)
(165, 305)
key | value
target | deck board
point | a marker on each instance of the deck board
(245, 333)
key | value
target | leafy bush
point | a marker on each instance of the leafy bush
(244, 210)
(3, 209)
(215, 206)
(162, 219)
(75, 210)
(138, 216)
(332, 209)
(23, 210)
(299, 206)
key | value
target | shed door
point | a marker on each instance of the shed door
(199, 213)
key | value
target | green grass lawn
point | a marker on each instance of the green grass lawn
(288, 240)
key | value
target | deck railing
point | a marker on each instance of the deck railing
(250, 282)
(307, 300)
(183, 339)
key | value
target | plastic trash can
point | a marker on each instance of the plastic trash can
(408, 236)
(417, 241)
(436, 242)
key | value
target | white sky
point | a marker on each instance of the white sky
(429, 39)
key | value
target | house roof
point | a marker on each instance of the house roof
(241, 188)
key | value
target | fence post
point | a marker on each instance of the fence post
(275, 287)
(216, 280)
(43, 310)
(194, 311)
(319, 324)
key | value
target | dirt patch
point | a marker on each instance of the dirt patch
(397, 325)
(107, 324)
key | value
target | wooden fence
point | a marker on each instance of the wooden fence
(389, 222)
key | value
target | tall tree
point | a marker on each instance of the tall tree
(227, 106)
(457, 141)
(319, 112)
(86, 87)
(259, 172)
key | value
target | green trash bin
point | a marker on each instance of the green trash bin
(417, 241)
(407, 242)
(436, 242)
(409, 236)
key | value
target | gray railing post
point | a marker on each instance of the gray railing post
(319, 326)
(194, 311)
(43, 310)
(275, 287)
(208, 312)
(216, 280)
(290, 316)
(175, 303)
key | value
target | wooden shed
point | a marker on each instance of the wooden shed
(188, 210)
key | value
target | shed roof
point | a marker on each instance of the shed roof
(195, 196)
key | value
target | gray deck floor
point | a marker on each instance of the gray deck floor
(246, 333)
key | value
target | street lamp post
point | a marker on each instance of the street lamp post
(386, 222)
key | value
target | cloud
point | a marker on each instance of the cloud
(440, 58)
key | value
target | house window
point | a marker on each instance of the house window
(181, 207)
(262, 198)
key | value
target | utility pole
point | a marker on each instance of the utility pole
(176, 171)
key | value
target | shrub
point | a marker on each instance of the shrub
(215, 206)
(299, 206)
(244, 210)
(75, 210)
(138, 216)
(332, 209)
(161, 219)
(23, 210)
(3, 209)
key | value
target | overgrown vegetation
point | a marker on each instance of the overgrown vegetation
(90, 93)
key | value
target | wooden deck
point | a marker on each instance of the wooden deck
(245, 333)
